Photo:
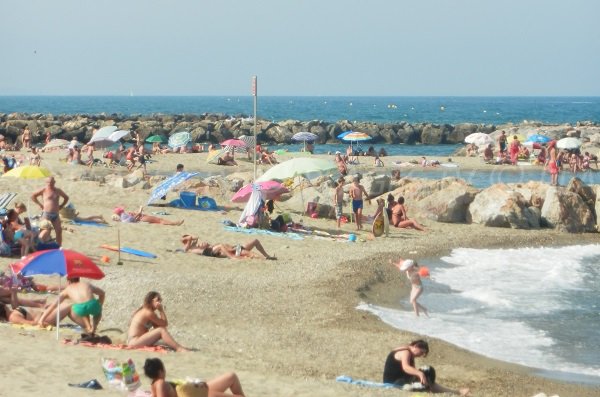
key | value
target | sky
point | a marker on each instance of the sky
(300, 47)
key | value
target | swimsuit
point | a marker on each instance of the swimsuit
(22, 310)
(89, 308)
(208, 251)
(356, 205)
(338, 210)
(51, 216)
(394, 373)
(238, 250)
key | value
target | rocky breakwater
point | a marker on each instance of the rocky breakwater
(210, 127)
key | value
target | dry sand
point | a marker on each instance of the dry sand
(287, 327)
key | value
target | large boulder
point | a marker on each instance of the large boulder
(376, 185)
(587, 194)
(566, 211)
(501, 206)
(449, 204)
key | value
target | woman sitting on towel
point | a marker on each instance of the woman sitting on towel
(400, 370)
(155, 370)
(191, 244)
(149, 323)
(400, 216)
(134, 217)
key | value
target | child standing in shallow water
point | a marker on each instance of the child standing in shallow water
(412, 272)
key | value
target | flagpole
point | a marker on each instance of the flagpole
(255, 95)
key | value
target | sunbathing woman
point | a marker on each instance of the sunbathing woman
(146, 327)
(18, 314)
(400, 217)
(155, 370)
(191, 244)
(133, 217)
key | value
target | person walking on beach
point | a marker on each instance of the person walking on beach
(51, 205)
(155, 370)
(412, 272)
(86, 310)
(338, 200)
(356, 193)
(552, 163)
(149, 324)
(400, 370)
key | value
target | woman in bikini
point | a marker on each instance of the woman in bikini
(191, 244)
(149, 324)
(400, 217)
(133, 217)
(155, 370)
(18, 314)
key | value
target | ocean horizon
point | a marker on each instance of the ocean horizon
(378, 109)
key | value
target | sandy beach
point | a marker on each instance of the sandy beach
(287, 327)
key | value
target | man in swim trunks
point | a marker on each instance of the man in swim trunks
(85, 310)
(50, 205)
(356, 192)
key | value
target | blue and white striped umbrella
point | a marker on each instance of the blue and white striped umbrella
(179, 139)
(304, 136)
(165, 186)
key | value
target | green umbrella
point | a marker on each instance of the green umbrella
(155, 138)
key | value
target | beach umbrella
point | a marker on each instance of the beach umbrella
(56, 143)
(479, 139)
(296, 167)
(304, 136)
(537, 138)
(568, 143)
(179, 139)
(115, 136)
(165, 186)
(215, 154)
(28, 172)
(155, 138)
(103, 133)
(270, 190)
(234, 143)
(355, 136)
(58, 261)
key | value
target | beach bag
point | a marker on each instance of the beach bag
(121, 375)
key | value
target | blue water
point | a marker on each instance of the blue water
(488, 110)
(532, 306)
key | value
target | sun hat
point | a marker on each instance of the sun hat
(405, 264)
(119, 210)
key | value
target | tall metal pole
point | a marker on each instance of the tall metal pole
(255, 95)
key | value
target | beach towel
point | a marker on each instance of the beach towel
(6, 198)
(88, 223)
(365, 383)
(293, 236)
(154, 349)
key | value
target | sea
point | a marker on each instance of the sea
(536, 307)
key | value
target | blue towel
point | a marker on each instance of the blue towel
(89, 223)
(366, 383)
(293, 236)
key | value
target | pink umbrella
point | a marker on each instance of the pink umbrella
(269, 189)
(234, 143)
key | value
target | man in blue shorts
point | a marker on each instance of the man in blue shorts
(356, 193)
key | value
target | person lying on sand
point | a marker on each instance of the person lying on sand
(240, 251)
(155, 370)
(149, 324)
(17, 313)
(400, 370)
(133, 217)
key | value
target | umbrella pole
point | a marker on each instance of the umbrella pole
(301, 198)
(119, 246)
(58, 311)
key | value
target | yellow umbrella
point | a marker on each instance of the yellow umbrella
(214, 154)
(29, 172)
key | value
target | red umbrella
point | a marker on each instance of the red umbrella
(234, 143)
(58, 261)
(269, 189)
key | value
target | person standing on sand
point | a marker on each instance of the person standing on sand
(26, 138)
(552, 163)
(50, 205)
(338, 200)
(502, 142)
(356, 192)
(400, 370)
(85, 310)
(412, 272)
(147, 327)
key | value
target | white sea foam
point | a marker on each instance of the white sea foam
(483, 300)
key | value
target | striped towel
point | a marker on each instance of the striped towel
(6, 198)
